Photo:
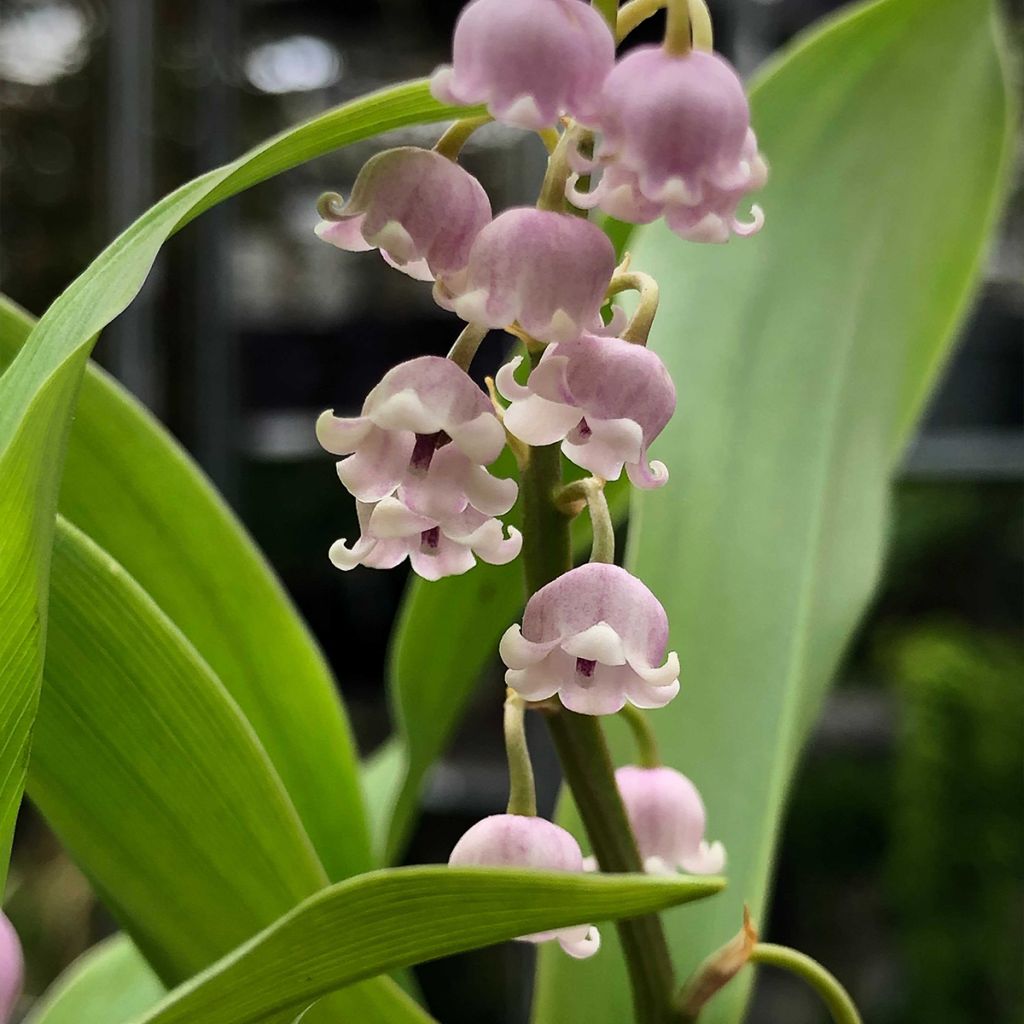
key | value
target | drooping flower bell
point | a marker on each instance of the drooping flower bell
(529, 60)
(390, 532)
(421, 210)
(12, 969)
(667, 817)
(605, 399)
(597, 637)
(675, 133)
(516, 840)
(548, 271)
(419, 408)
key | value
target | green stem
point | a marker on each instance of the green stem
(643, 734)
(454, 138)
(581, 746)
(466, 345)
(589, 772)
(639, 326)
(677, 28)
(552, 188)
(832, 994)
(590, 489)
(522, 794)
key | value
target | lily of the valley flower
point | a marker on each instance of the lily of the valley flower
(421, 210)
(529, 60)
(415, 462)
(668, 819)
(419, 408)
(676, 138)
(548, 271)
(390, 532)
(605, 399)
(597, 637)
(515, 840)
(12, 969)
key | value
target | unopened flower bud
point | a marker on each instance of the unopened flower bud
(529, 60)
(667, 817)
(515, 840)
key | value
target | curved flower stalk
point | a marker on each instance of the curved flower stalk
(605, 399)
(547, 271)
(596, 637)
(421, 210)
(12, 969)
(516, 840)
(676, 142)
(668, 819)
(530, 61)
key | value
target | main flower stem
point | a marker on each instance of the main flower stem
(581, 746)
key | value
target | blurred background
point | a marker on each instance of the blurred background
(902, 857)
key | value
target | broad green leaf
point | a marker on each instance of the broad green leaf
(39, 388)
(110, 984)
(403, 916)
(132, 488)
(159, 788)
(803, 357)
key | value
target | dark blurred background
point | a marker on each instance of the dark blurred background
(902, 855)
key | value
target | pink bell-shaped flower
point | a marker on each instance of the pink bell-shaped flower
(605, 399)
(420, 408)
(515, 840)
(421, 210)
(529, 60)
(12, 969)
(676, 131)
(548, 271)
(390, 532)
(668, 820)
(597, 637)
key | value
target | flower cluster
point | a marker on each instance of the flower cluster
(674, 129)
(415, 461)
(659, 133)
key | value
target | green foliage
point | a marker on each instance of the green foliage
(956, 822)
(110, 984)
(39, 389)
(402, 916)
(132, 488)
(158, 786)
(803, 357)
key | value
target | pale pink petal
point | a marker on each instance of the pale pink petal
(421, 209)
(536, 421)
(548, 271)
(378, 465)
(529, 61)
(341, 435)
(597, 643)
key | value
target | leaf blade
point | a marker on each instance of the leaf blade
(341, 934)
(807, 354)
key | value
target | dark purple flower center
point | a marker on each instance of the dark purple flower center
(581, 433)
(423, 450)
(430, 540)
(585, 667)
